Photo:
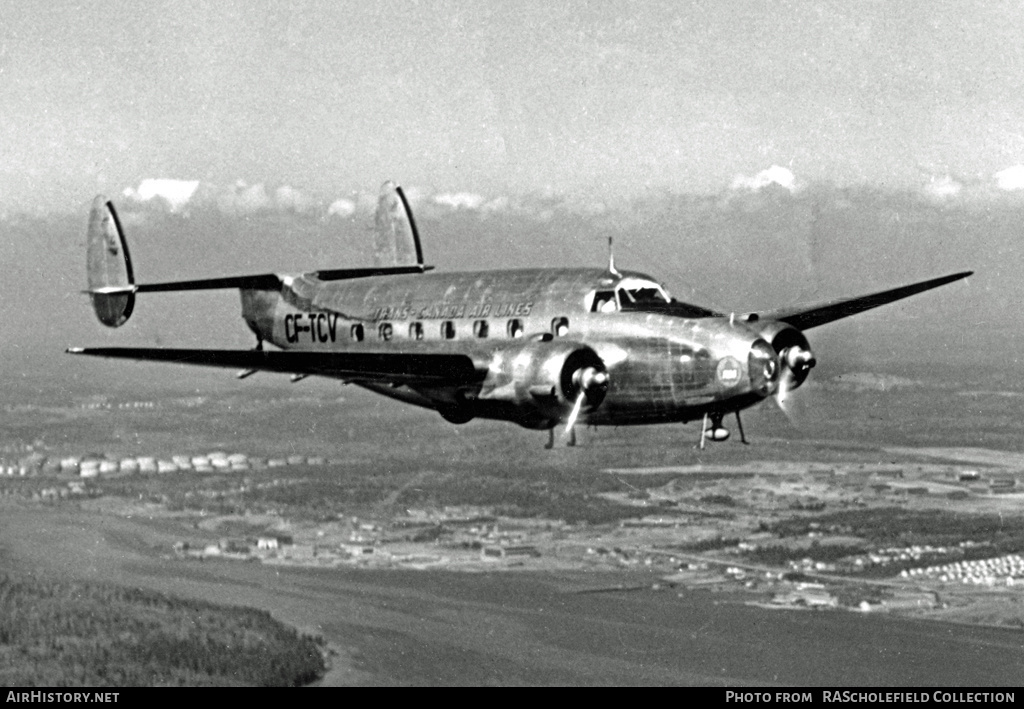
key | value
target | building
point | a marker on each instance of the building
(498, 552)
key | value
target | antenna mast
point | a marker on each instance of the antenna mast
(611, 259)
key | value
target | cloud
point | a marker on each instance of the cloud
(243, 199)
(942, 188)
(774, 175)
(293, 200)
(975, 191)
(342, 208)
(176, 193)
(184, 196)
(1011, 179)
(366, 202)
(459, 200)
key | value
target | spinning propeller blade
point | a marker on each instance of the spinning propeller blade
(574, 415)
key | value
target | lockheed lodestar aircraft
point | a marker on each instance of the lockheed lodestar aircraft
(538, 347)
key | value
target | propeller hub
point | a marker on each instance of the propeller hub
(592, 382)
(799, 359)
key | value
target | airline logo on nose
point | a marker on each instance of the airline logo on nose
(729, 371)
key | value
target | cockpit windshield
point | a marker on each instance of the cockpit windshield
(642, 295)
(627, 293)
(636, 291)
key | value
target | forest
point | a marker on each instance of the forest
(73, 634)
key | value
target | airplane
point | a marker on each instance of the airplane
(538, 347)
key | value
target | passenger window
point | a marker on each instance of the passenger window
(515, 328)
(416, 331)
(356, 333)
(480, 328)
(448, 330)
(560, 327)
(384, 330)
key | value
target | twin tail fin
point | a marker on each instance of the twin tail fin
(109, 265)
(112, 286)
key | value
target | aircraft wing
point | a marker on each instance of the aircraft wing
(384, 368)
(805, 317)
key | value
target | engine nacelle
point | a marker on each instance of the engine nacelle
(546, 378)
(791, 345)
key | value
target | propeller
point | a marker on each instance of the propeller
(574, 414)
(797, 362)
(783, 396)
(593, 385)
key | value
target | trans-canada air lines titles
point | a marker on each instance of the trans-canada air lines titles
(445, 311)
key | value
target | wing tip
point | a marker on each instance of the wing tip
(951, 278)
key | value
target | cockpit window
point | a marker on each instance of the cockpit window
(642, 295)
(604, 302)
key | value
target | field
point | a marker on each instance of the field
(427, 553)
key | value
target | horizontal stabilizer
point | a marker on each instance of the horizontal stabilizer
(262, 281)
(111, 290)
(389, 367)
(806, 317)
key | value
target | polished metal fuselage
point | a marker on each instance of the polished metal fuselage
(663, 366)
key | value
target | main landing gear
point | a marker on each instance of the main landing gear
(249, 372)
(570, 438)
(717, 432)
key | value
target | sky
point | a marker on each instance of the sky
(582, 98)
(748, 154)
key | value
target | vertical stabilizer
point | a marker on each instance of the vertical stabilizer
(109, 267)
(395, 241)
